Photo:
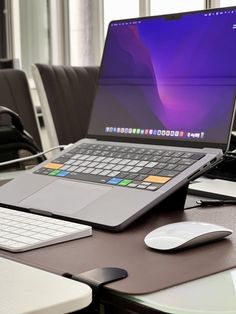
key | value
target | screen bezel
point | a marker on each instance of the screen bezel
(160, 141)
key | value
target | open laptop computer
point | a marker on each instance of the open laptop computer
(162, 115)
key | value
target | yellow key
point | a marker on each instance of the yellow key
(157, 179)
(51, 165)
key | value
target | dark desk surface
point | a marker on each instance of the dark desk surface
(148, 271)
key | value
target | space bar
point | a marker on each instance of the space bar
(88, 177)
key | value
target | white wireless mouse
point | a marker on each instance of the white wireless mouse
(184, 234)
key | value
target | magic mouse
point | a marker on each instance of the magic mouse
(181, 235)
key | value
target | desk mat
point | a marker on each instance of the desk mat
(148, 270)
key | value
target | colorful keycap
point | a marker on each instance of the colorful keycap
(114, 181)
(52, 165)
(157, 179)
(125, 182)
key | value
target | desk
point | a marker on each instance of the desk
(212, 294)
(25, 289)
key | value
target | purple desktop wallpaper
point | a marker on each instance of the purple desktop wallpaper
(168, 78)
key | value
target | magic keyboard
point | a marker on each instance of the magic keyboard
(123, 166)
(20, 231)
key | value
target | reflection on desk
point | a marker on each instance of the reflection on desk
(213, 188)
(211, 294)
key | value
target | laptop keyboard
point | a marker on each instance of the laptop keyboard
(123, 166)
(20, 231)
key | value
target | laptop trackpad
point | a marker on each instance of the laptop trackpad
(65, 197)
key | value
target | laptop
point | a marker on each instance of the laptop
(162, 115)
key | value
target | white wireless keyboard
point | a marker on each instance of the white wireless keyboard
(20, 231)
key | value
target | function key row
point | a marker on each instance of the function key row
(98, 149)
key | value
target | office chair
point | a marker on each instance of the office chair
(66, 94)
(15, 95)
(9, 64)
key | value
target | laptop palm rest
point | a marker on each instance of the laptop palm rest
(63, 196)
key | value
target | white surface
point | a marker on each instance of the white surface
(25, 289)
(184, 234)
(214, 187)
(212, 294)
(7, 175)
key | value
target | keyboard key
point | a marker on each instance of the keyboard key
(96, 171)
(124, 161)
(80, 169)
(151, 164)
(88, 170)
(114, 173)
(153, 187)
(142, 163)
(114, 181)
(65, 167)
(105, 173)
(154, 172)
(125, 182)
(187, 162)
(141, 186)
(181, 167)
(130, 176)
(157, 179)
(141, 177)
(170, 166)
(135, 170)
(62, 174)
(127, 168)
(93, 164)
(123, 175)
(132, 185)
(118, 167)
(70, 161)
(88, 177)
(168, 173)
(197, 156)
(133, 163)
(168, 153)
(72, 168)
(52, 165)
(54, 172)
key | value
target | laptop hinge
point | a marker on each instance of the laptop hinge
(40, 212)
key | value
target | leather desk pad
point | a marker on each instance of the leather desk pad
(148, 270)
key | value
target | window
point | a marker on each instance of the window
(115, 10)
(85, 32)
(227, 3)
(172, 6)
(34, 33)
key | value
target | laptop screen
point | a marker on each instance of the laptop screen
(171, 78)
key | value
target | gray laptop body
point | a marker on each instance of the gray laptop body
(166, 89)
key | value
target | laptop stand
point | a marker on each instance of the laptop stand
(174, 201)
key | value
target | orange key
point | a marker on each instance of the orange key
(157, 179)
(51, 165)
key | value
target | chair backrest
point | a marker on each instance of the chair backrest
(66, 95)
(9, 63)
(15, 95)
